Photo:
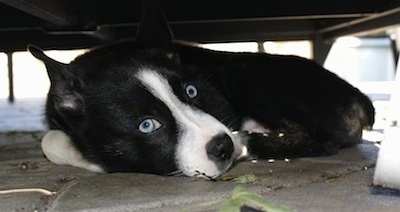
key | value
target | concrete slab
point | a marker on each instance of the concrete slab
(342, 182)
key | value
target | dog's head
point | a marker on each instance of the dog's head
(139, 111)
(134, 108)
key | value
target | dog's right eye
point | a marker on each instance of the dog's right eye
(148, 126)
(191, 91)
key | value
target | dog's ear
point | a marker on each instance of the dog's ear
(55, 69)
(154, 31)
(66, 87)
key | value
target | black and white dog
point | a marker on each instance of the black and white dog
(160, 107)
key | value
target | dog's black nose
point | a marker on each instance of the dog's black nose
(220, 148)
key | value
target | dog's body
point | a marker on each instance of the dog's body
(315, 110)
(166, 108)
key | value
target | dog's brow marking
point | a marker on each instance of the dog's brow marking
(159, 87)
(185, 114)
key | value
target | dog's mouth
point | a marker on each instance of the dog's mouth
(196, 173)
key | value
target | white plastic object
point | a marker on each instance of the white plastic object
(387, 170)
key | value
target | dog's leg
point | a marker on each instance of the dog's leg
(283, 145)
(58, 148)
(289, 140)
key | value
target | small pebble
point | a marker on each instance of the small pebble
(24, 166)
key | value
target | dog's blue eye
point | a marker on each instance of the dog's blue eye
(148, 126)
(191, 91)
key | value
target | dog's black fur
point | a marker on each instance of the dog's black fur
(316, 112)
(99, 102)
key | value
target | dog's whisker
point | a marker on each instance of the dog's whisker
(232, 121)
(175, 173)
(204, 78)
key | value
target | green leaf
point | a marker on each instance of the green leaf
(226, 177)
(243, 179)
(242, 196)
(231, 205)
(247, 178)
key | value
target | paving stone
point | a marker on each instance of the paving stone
(341, 182)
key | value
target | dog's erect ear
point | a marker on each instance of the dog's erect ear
(55, 69)
(153, 31)
(65, 88)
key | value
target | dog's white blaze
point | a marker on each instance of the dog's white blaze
(57, 147)
(196, 127)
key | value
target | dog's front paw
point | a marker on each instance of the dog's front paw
(59, 149)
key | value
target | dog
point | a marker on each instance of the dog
(158, 106)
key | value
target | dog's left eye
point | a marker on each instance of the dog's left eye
(191, 91)
(148, 126)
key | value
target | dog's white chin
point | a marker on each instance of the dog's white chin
(209, 173)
